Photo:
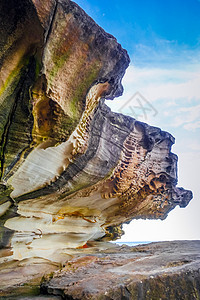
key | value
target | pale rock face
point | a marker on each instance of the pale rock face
(72, 171)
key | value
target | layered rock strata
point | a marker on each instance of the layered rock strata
(72, 171)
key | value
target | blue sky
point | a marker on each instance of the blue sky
(157, 25)
(163, 41)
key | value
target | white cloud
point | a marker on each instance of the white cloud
(192, 126)
(164, 53)
(189, 117)
(167, 84)
(155, 84)
(192, 110)
(174, 91)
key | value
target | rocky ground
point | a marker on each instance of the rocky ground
(164, 270)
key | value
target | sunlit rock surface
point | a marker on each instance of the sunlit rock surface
(71, 170)
(165, 270)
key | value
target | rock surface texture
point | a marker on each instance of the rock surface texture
(165, 270)
(71, 170)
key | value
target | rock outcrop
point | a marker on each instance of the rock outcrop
(71, 170)
(165, 270)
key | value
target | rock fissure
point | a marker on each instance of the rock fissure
(51, 20)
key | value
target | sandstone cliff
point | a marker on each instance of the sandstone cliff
(71, 170)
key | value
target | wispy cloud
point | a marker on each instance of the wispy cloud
(174, 92)
(192, 126)
(157, 83)
(156, 52)
(189, 117)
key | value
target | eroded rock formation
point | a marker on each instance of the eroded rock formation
(165, 270)
(72, 171)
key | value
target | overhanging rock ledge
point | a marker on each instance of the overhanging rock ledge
(72, 171)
